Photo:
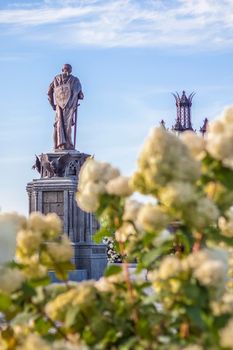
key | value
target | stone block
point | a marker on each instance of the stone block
(46, 208)
(57, 208)
(91, 257)
(50, 197)
(60, 197)
(76, 276)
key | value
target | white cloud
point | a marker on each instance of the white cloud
(127, 23)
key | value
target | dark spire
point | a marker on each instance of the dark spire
(162, 124)
(183, 106)
(203, 129)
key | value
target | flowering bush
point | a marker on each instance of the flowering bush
(182, 237)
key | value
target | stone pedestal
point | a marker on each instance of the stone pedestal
(56, 194)
(91, 257)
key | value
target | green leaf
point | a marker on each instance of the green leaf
(225, 176)
(42, 326)
(13, 264)
(5, 302)
(62, 270)
(28, 290)
(100, 234)
(70, 319)
(194, 314)
(150, 257)
(40, 282)
(215, 170)
(129, 344)
(112, 270)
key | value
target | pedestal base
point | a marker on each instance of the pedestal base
(57, 195)
(76, 276)
(90, 257)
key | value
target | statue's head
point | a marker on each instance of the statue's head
(67, 68)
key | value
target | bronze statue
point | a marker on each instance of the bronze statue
(63, 94)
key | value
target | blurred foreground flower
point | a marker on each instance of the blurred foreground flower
(9, 226)
(220, 138)
(164, 158)
(92, 183)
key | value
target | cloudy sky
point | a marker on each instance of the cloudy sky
(129, 55)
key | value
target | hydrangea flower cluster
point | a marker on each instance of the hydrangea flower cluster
(96, 179)
(181, 236)
(220, 138)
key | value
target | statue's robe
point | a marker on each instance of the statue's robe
(64, 119)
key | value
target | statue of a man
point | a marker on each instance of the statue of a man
(63, 94)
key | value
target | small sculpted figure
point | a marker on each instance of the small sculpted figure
(63, 94)
(56, 167)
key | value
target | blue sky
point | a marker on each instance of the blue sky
(129, 55)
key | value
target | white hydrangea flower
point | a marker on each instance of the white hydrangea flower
(34, 269)
(210, 267)
(36, 222)
(178, 194)
(224, 305)
(10, 224)
(195, 144)
(164, 236)
(104, 285)
(124, 232)
(88, 197)
(152, 218)
(109, 172)
(93, 171)
(119, 186)
(92, 183)
(48, 226)
(28, 241)
(220, 138)
(196, 259)
(165, 158)
(53, 224)
(131, 210)
(170, 267)
(83, 294)
(203, 213)
(226, 224)
(226, 338)
(195, 210)
(212, 273)
(60, 251)
(34, 342)
(10, 280)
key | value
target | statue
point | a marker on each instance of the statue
(63, 94)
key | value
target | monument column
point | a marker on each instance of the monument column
(66, 211)
(71, 215)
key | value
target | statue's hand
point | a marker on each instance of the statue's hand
(80, 95)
